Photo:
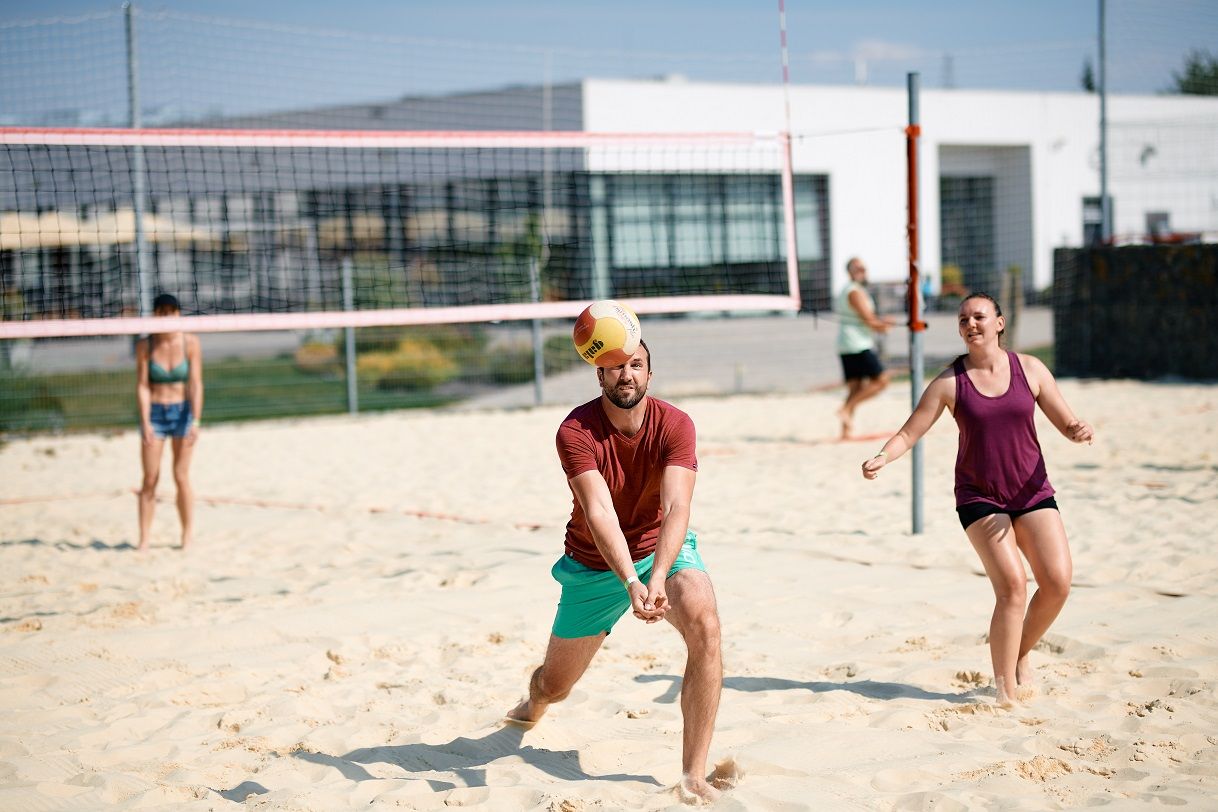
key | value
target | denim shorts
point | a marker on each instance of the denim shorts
(171, 419)
(593, 601)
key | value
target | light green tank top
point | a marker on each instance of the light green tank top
(853, 334)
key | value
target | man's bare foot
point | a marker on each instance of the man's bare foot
(526, 714)
(847, 419)
(143, 548)
(1024, 675)
(695, 791)
(186, 539)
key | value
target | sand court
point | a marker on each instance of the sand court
(366, 597)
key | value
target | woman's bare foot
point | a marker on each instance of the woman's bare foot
(186, 539)
(1004, 696)
(1024, 675)
(695, 791)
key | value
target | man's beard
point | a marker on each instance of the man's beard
(626, 401)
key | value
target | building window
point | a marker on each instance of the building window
(670, 234)
(640, 216)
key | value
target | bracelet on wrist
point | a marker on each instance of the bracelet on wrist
(882, 453)
(633, 579)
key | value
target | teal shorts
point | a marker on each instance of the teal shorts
(592, 601)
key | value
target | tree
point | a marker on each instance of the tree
(1200, 75)
(1088, 78)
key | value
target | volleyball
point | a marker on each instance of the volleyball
(607, 333)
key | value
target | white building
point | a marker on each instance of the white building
(1006, 177)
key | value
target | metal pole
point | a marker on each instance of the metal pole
(535, 262)
(1105, 212)
(349, 333)
(916, 325)
(539, 363)
(138, 170)
(788, 167)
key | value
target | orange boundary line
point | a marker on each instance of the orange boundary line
(269, 503)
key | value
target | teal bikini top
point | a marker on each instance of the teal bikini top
(179, 374)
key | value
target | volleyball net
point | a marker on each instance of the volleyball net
(306, 229)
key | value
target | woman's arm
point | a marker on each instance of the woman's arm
(194, 385)
(1052, 402)
(143, 390)
(938, 395)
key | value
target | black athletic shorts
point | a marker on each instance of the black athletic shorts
(979, 510)
(865, 364)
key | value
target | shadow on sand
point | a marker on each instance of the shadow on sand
(866, 687)
(95, 544)
(464, 757)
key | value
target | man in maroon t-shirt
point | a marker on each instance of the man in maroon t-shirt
(630, 462)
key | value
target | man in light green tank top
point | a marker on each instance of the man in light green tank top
(857, 326)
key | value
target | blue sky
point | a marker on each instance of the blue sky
(228, 56)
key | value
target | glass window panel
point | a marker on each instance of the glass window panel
(808, 218)
(697, 222)
(640, 216)
(752, 219)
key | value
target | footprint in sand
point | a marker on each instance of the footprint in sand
(970, 679)
(947, 718)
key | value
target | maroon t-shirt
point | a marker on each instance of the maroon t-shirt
(632, 468)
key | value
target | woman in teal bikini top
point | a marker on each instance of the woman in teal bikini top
(179, 374)
(170, 402)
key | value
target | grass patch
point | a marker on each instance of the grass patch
(234, 390)
(300, 385)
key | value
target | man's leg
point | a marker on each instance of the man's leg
(566, 660)
(845, 412)
(867, 389)
(696, 617)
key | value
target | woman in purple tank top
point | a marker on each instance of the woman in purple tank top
(1003, 495)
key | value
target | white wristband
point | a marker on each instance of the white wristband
(633, 579)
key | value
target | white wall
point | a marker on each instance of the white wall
(855, 135)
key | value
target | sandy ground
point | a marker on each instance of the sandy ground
(367, 596)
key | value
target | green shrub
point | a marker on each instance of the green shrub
(508, 364)
(413, 364)
(559, 353)
(315, 357)
(451, 338)
(513, 363)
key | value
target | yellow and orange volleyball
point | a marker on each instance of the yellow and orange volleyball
(607, 333)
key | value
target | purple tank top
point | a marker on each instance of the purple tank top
(999, 460)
